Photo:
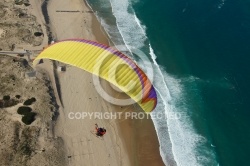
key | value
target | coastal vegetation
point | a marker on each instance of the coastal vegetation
(23, 110)
(29, 101)
(28, 116)
(8, 102)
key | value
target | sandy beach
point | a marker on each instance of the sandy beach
(127, 141)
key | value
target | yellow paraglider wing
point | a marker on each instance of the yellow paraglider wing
(106, 63)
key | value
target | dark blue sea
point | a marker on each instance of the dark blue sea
(200, 53)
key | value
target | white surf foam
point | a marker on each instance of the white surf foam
(177, 137)
(181, 133)
(132, 34)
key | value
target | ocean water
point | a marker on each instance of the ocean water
(200, 54)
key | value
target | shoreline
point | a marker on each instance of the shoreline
(152, 138)
(94, 32)
(98, 31)
(100, 34)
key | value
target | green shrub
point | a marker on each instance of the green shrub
(38, 33)
(24, 110)
(18, 96)
(26, 4)
(29, 101)
(1, 103)
(28, 118)
(26, 149)
(18, 2)
(10, 103)
(7, 102)
(6, 97)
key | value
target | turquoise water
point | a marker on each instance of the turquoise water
(200, 54)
